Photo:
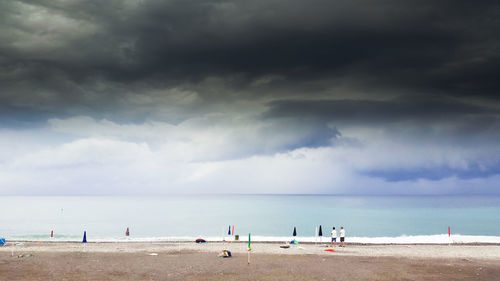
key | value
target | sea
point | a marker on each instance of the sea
(366, 219)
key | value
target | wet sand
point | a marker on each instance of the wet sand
(132, 261)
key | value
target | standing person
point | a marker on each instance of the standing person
(334, 237)
(342, 236)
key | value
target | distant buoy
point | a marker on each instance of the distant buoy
(84, 237)
(127, 233)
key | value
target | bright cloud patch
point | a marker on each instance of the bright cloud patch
(102, 157)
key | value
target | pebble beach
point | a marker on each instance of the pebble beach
(268, 261)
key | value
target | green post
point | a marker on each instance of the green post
(249, 249)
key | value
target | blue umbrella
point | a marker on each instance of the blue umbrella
(320, 233)
(294, 231)
(84, 237)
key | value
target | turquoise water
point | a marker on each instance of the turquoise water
(263, 215)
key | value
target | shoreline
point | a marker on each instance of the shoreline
(479, 252)
(245, 242)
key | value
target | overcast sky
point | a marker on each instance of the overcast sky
(257, 96)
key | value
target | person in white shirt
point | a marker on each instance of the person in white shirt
(342, 236)
(334, 237)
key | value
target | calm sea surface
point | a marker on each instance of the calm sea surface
(262, 215)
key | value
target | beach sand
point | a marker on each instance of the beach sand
(190, 261)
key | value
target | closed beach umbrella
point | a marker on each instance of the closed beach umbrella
(320, 231)
(294, 231)
(84, 237)
(229, 231)
(249, 248)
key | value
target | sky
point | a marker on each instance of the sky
(355, 97)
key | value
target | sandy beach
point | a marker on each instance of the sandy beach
(190, 261)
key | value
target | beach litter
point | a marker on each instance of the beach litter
(153, 254)
(26, 256)
(329, 250)
(224, 254)
(285, 246)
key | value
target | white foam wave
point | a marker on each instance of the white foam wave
(419, 239)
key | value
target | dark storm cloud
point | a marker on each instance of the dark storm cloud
(15, 117)
(474, 171)
(451, 121)
(79, 57)
(376, 112)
